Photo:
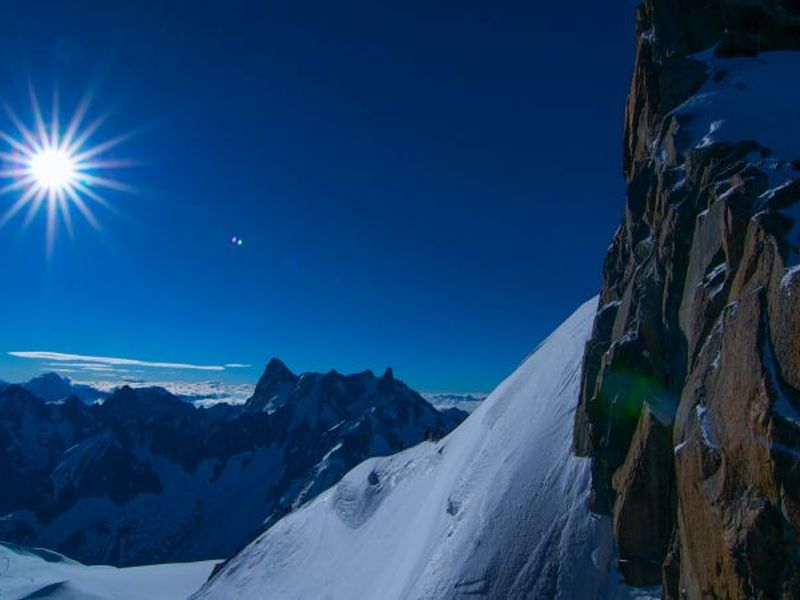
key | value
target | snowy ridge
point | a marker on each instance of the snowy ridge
(497, 508)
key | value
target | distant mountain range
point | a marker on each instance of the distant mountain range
(145, 477)
(52, 386)
(465, 402)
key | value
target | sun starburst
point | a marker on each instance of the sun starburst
(55, 169)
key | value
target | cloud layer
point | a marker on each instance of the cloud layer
(199, 393)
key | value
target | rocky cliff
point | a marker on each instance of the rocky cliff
(690, 399)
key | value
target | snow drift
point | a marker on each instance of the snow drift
(497, 508)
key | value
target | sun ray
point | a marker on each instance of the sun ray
(56, 169)
(100, 148)
(106, 182)
(63, 208)
(17, 185)
(19, 147)
(52, 214)
(90, 193)
(111, 164)
(41, 129)
(33, 209)
(14, 172)
(75, 121)
(33, 144)
(54, 125)
(84, 136)
(17, 206)
(17, 159)
(83, 208)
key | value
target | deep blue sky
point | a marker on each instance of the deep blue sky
(427, 185)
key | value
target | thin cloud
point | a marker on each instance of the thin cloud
(237, 366)
(111, 361)
(83, 365)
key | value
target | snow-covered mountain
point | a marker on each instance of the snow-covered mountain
(144, 477)
(498, 508)
(36, 573)
(52, 386)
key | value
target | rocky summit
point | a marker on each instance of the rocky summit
(690, 401)
(144, 477)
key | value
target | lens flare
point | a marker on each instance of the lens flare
(55, 169)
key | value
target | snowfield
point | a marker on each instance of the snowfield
(38, 573)
(496, 509)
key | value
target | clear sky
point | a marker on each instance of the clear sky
(423, 184)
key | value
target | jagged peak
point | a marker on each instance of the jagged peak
(276, 369)
(152, 399)
(51, 376)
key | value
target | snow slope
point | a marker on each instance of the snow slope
(497, 508)
(26, 573)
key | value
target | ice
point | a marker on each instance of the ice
(705, 427)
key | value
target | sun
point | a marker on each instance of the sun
(55, 170)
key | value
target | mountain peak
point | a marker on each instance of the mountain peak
(50, 377)
(276, 369)
(273, 387)
(50, 386)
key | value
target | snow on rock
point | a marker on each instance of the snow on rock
(37, 573)
(748, 99)
(758, 99)
(496, 508)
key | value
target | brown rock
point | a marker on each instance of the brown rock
(700, 322)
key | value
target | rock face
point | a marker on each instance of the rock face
(145, 477)
(690, 401)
